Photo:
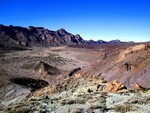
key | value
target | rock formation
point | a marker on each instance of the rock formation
(114, 86)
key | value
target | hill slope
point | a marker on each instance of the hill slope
(129, 65)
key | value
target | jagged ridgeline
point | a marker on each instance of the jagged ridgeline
(39, 36)
(34, 36)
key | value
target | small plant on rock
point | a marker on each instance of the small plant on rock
(122, 108)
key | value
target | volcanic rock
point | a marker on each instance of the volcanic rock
(114, 86)
(29, 82)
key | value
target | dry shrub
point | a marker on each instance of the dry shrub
(123, 108)
(69, 102)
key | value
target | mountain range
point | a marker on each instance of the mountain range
(39, 36)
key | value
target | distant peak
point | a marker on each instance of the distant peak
(62, 31)
(78, 35)
(31, 27)
(117, 40)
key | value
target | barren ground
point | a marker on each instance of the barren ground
(77, 93)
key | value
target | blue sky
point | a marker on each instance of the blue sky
(127, 20)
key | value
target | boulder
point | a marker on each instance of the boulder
(78, 75)
(114, 86)
(137, 87)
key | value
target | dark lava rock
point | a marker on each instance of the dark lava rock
(30, 83)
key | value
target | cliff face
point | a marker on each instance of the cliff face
(33, 36)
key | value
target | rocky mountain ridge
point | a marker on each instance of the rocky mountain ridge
(34, 36)
(39, 36)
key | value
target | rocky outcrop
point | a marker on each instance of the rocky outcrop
(114, 86)
(129, 50)
(74, 71)
(137, 87)
(42, 68)
(30, 83)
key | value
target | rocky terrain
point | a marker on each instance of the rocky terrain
(76, 79)
(43, 71)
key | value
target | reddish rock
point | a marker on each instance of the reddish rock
(138, 87)
(114, 86)
(78, 75)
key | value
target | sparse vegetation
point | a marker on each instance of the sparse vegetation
(95, 107)
(69, 102)
(16, 109)
(21, 110)
(123, 108)
(80, 101)
(77, 110)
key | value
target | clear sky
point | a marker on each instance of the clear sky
(127, 20)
